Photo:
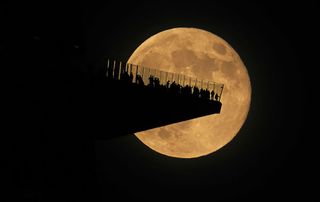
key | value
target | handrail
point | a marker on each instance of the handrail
(151, 77)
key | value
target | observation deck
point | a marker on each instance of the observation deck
(133, 98)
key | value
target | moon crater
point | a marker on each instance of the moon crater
(220, 48)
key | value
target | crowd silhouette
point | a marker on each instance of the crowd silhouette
(126, 75)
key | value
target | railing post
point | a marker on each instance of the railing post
(142, 73)
(137, 73)
(113, 69)
(119, 72)
(221, 92)
(166, 77)
(108, 66)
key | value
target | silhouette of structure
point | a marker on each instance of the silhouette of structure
(60, 111)
(134, 98)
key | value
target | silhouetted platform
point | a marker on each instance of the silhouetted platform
(120, 108)
(85, 105)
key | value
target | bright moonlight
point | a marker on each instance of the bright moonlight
(197, 53)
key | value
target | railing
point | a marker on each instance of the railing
(154, 78)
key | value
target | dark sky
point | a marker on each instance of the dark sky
(268, 160)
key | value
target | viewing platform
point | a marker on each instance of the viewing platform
(134, 98)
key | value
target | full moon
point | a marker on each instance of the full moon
(197, 53)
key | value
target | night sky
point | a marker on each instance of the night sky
(44, 45)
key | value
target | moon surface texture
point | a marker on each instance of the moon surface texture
(200, 54)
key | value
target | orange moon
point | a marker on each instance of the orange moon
(197, 53)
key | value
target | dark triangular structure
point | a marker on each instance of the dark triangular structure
(130, 99)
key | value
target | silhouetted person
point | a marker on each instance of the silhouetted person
(202, 93)
(168, 84)
(216, 97)
(131, 77)
(188, 90)
(184, 91)
(151, 81)
(196, 92)
(178, 88)
(125, 77)
(207, 94)
(156, 82)
(140, 80)
(212, 95)
(173, 87)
